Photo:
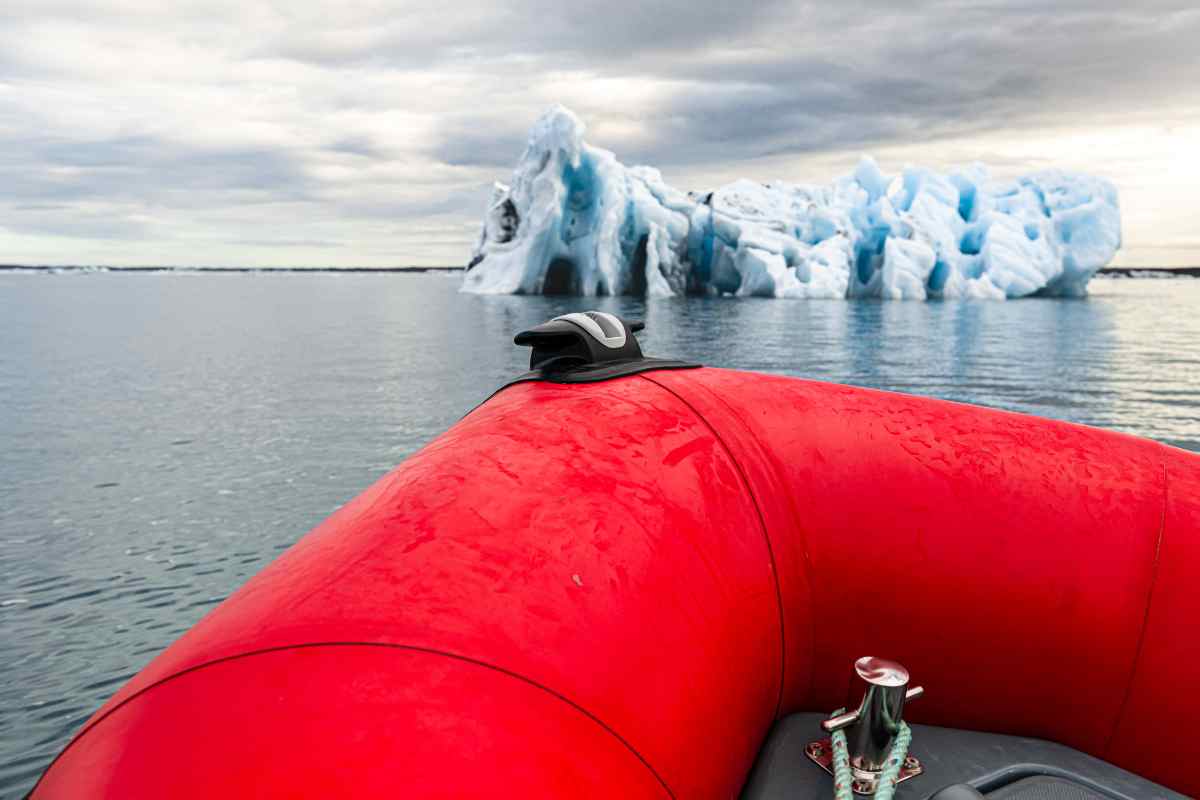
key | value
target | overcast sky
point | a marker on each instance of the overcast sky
(310, 133)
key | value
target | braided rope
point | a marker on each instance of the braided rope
(886, 789)
(887, 780)
(841, 764)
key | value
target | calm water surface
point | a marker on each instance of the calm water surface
(162, 437)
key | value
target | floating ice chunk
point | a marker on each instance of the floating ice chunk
(575, 220)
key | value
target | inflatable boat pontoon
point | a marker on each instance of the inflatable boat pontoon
(623, 577)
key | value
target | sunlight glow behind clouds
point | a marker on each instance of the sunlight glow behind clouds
(307, 133)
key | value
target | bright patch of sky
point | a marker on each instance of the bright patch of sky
(314, 134)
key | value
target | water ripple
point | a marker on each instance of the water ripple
(162, 444)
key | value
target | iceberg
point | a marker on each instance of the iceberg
(574, 220)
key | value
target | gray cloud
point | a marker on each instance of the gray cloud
(565, 35)
(270, 129)
(953, 70)
(74, 225)
(860, 75)
(144, 169)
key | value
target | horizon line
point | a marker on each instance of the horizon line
(1183, 270)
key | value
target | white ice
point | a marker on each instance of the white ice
(575, 220)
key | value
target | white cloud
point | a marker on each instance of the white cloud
(320, 133)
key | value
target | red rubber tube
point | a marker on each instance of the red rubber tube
(613, 589)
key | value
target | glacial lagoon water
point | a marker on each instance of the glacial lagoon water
(162, 437)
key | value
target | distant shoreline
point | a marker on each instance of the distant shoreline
(1151, 272)
(1116, 272)
(83, 268)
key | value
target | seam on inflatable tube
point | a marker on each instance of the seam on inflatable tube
(762, 524)
(771, 464)
(406, 647)
(1141, 641)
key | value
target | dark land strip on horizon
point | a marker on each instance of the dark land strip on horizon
(87, 268)
(1136, 272)
(1127, 272)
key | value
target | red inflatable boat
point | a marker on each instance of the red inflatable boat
(622, 577)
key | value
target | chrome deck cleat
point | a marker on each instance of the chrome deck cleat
(871, 729)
